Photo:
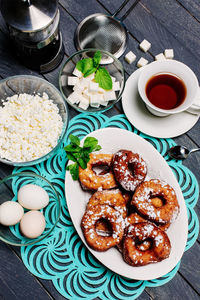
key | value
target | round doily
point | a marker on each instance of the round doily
(62, 257)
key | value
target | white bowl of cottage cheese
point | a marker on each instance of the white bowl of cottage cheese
(33, 120)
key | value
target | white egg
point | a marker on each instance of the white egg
(11, 213)
(33, 196)
(32, 224)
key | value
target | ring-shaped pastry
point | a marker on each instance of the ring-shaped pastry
(159, 244)
(129, 169)
(113, 198)
(88, 225)
(90, 180)
(143, 201)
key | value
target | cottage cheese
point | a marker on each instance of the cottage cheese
(30, 126)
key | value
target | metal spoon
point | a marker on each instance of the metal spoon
(180, 152)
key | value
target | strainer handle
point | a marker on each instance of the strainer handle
(120, 8)
(128, 11)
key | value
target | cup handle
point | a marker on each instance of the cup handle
(194, 109)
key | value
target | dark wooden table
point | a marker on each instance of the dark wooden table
(166, 24)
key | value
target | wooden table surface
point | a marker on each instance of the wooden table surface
(166, 24)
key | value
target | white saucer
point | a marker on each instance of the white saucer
(138, 115)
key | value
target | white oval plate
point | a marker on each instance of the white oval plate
(138, 115)
(111, 140)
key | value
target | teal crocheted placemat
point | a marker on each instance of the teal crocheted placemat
(62, 257)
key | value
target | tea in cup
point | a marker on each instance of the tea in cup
(169, 87)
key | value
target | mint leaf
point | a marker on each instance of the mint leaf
(97, 59)
(89, 141)
(72, 148)
(70, 156)
(74, 170)
(103, 78)
(89, 72)
(84, 65)
(97, 148)
(82, 163)
(74, 139)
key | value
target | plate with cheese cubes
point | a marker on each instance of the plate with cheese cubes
(88, 85)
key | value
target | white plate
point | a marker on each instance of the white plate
(111, 140)
(137, 113)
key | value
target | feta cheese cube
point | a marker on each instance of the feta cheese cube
(77, 73)
(74, 98)
(101, 91)
(130, 57)
(79, 88)
(116, 86)
(93, 86)
(169, 53)
(160, 57)
(84, 103)
(145, 45)
(95, 100)
(142, 62)
(72, 80)
(109, 95)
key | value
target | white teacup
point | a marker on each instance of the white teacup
(177, 69)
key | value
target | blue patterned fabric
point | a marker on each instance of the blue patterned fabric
(62, 257)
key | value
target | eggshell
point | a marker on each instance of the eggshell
(33, 196)
(11, 213)
(32, 224)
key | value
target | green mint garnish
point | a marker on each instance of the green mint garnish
(103, 78)
(80, 155)
(89, 66)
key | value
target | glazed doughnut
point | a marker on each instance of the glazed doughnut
(157, 249)
(129, 169)
(88, 225)
(92, 181)
(112, 198)
(145, 200)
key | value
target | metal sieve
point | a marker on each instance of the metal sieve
(104, 32)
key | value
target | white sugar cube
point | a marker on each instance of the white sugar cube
(104, 103)
(160, 57)
(84, 103)
(77, 73)
(109, 95)
(74, 98)
(142, 62)
(72, 80)
(93, 86)
(130, 57)
(116, 86)
(145, 45)
(169, 53)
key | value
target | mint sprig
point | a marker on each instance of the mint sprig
(89, 66)
(80, 155)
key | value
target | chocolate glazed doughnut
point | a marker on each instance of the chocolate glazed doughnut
(159, 246)
(129, 169)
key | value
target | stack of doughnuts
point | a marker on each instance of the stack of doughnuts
(125, 210)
